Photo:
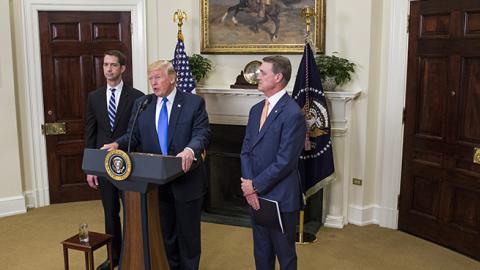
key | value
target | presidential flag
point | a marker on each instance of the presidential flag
(316, 160)
(185, 81)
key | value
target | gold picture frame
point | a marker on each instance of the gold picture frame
(222, 35)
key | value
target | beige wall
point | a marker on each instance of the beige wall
(9, 143)
(355, 29)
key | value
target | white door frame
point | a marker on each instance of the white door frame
(392, 139)
(36, 147)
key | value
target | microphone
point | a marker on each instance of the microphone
(141, 108)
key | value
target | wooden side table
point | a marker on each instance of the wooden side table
(96, 240)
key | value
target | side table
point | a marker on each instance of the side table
(96, 240)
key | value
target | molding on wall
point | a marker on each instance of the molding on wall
(392, 143)
(29, 198)
(12, 206)
(363, 215)
(336, 222)
(36, 147)
(388, 217)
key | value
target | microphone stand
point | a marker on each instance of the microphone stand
(140, 109)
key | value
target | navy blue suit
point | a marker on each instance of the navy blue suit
(270, 159)
(181, 199)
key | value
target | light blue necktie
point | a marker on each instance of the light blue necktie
(162, 128)
(112, 109)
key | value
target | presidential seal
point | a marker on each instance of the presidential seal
(118, 165)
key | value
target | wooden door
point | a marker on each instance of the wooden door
(440, 189)
(72, 47)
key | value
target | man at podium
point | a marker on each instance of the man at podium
(107, 115)
(174, 123)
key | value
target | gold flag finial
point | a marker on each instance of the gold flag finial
(308, 12)
(179, 15)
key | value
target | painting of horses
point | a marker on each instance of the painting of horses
(260, 26)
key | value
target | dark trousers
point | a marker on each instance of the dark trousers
(180, 223)
(111, 208)
(270, 243)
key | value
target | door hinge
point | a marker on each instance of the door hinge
(54, 128)
(404, 115)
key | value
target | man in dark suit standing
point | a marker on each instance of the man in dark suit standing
(175, 123)
(108, 113)
(274, 139)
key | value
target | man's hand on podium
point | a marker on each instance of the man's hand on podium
(109, 147)
(187, 159)
(92, 181)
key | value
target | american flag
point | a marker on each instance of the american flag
(185, 81)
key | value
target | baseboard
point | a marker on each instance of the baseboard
(29, 199)
(334, 222)
(10, 206)
(363, 215)
(389, 218)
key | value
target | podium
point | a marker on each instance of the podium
(142, 247)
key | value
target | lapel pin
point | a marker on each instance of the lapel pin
(179, 105)
(276, 111)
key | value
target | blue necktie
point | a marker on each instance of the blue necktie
(162, 128)
(112, 109)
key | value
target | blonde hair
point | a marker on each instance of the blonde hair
(160, 64)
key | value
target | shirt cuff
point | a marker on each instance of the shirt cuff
(193, 153)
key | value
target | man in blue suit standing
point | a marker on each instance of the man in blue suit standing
(274, 139)
(174, 123)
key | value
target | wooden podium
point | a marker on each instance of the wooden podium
(142, 247)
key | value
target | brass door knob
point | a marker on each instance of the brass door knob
(476, 155)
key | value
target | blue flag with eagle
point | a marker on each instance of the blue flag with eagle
(316, 160)
(185, 81)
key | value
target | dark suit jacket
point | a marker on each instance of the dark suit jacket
(97, 123)
(270, 157)
(187, 127)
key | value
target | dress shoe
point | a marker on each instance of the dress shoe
(106, 265)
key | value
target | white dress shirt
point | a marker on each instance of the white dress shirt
(273, 100)
(118, 93)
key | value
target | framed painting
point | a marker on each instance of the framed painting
(259, 26)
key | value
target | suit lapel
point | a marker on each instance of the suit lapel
(122, 105)
(149, 115)
(104, 107)
(270, 118)
(175, 114)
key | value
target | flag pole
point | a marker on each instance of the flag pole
(179, 15)
(305, 238)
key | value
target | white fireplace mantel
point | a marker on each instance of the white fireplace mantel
(231, 107)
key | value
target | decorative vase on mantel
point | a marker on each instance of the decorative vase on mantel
(329, 84)
(334, 70)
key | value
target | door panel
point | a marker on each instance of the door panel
(72, 47)
(440, 189)
(432, 103)
(469, 109)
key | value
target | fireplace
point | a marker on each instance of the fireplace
(228, 114)
(224, 202)
(224, 199)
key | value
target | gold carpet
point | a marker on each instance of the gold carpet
(32, 241)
